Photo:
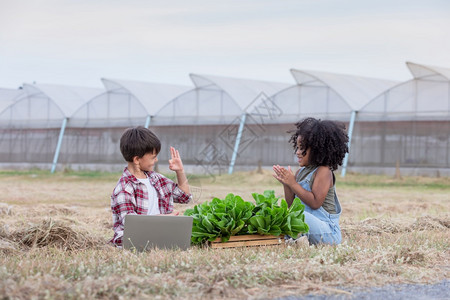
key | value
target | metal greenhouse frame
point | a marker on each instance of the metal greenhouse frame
(408, 125)
(328, 96)
(208, 122)
(33, 125)
(223, 123)
(94, 130)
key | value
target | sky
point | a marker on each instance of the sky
(78, 42)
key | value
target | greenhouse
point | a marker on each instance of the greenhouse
(316, 94)
(32, 125)
(94, 130)
(407, 125)
(209, 123)
(327, 95)
(222, 124)
(215, 100)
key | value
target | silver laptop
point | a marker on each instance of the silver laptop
(143, 232)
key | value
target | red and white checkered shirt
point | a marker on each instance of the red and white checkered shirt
(131, 197)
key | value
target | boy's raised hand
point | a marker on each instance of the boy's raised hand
(175, 163)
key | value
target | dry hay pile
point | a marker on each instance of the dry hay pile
(375, 226)
(432, 223)
(55, 233)
(49, 210)
(64, 210)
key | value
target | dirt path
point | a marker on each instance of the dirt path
(439, 290)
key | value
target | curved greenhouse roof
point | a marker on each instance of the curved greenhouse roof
(324, 94)
(356, 91)
(126, 103)
(153, 96)
(428, 72)
(242, 91)
(216, 99)
(9, 96)
(426, 96)
(46, 104)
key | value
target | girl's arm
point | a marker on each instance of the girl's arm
(288, 194)
(323, 181)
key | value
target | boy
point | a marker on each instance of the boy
(140, 190)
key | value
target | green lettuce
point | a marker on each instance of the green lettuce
(222, 218)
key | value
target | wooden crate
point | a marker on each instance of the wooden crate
(248, 241)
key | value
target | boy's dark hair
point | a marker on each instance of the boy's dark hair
(138, 141)
(327, 141)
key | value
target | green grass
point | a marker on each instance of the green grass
(67, 175)
(383, 181)
(8, 173)
(351, 180)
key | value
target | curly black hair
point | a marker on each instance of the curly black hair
(326, 139)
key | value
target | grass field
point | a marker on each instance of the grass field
(54, 231)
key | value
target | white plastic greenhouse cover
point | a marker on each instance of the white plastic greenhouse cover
(356, 91)
(67, 98)
(428, 72)
(216, 100)
(9, 96)
(426, 96)
(152, 96)
(126, 103)
(242, 91)
(47, 104)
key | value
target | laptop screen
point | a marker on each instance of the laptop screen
(143, 232)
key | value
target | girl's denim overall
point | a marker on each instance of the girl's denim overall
(323, 226)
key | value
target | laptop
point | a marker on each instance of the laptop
(144, 232)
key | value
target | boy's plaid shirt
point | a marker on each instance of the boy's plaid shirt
(130, 197)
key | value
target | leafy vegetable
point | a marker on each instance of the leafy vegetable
(234, 216)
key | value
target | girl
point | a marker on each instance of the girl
(320, 147)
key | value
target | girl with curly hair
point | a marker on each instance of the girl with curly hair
(320, 146)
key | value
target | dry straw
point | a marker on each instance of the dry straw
(379, 226)
(56, 233)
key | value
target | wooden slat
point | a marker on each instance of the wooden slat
(248, 237)
(248, 241)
